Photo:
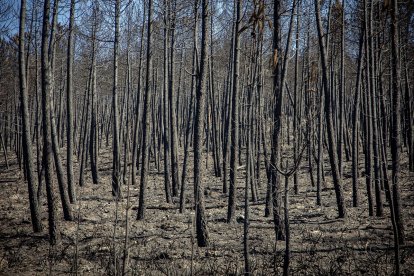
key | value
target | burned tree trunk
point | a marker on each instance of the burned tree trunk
(396, 123)
(201, 221)
(234, 118)
(333, 158)
(27, 145)
(47, 139)
(145, 120)
(116, 162)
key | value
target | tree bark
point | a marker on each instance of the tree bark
(47, 140)
(333, 158)
(396, 123)
(201, 221)
(175, 173)
(355, 125)
(145, 120)
(234, 118)
(27, 145)
(116, 162)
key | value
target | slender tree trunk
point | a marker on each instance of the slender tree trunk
(93, 136)
(145, 120)
(296, 136)
(166, 99)
(234, 118)
(175, 173)
(47, 140)
(69, 106)
(286, 259)
(27, 145)
(116, 162)
(396, 123)
(201, 221)
(355, 125)
(194, 81)
(341, 93)
(67, 209)
(367, 118)
(137, 105)
(333, 158)
(373, 102)
(320, 151)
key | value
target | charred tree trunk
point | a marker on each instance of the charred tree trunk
(116, 162)
(69, 106)
(234, 118)
(145, 120)
(355, 125)
(175, 173)
(27, 145)
(47, 139)
(396, 123)
(333, 158)
(201, 221)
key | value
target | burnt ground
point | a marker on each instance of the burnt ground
(162, 244)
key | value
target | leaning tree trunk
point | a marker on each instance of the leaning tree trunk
(93, 136)
(333, 158)
(67, 209)
(27, 145)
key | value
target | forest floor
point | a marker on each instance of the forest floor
(162, 244)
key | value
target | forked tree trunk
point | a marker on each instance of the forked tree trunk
(67, 209)
(47, 140)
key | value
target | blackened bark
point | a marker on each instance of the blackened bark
(47, 140)
(234, 118)
(355, 125)
(175, 173)
(201, 221)
(116, 162)
(27, 145)
(396, 123)
(145, 120)
(333, 158)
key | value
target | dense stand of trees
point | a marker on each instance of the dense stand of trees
(268, 87)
